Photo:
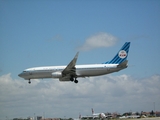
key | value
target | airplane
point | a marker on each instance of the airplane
(98, 115)
(72, 71)
(93, 116)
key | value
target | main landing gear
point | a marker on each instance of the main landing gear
(74, 79)
(29, 81)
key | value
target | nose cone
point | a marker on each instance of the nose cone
(20, 75)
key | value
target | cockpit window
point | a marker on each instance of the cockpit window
(24, 71)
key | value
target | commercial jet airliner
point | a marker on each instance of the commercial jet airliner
(95, 116)
(72, 71)
(98, 115)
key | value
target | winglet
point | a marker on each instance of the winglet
(76, 56)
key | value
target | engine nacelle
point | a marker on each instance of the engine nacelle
(56, 74)
(102, 115)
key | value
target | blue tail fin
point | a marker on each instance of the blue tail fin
(121, 56)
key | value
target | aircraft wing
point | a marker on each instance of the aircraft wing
(70, 70)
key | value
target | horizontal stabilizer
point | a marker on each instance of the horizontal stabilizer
(123, 64)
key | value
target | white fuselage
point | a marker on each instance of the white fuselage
(81, 71)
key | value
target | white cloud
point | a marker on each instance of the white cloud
(98, 40)
(58, 99)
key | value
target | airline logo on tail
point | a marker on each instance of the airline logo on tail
(122, 54)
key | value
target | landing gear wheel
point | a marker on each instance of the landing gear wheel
(29, 81)
(71, 79)
(76, 81)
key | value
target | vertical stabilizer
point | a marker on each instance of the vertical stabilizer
(121, 56)
(92, 111)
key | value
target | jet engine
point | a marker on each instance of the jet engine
(102, 115)
(56, 74)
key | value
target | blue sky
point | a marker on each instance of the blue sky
(40, 33)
